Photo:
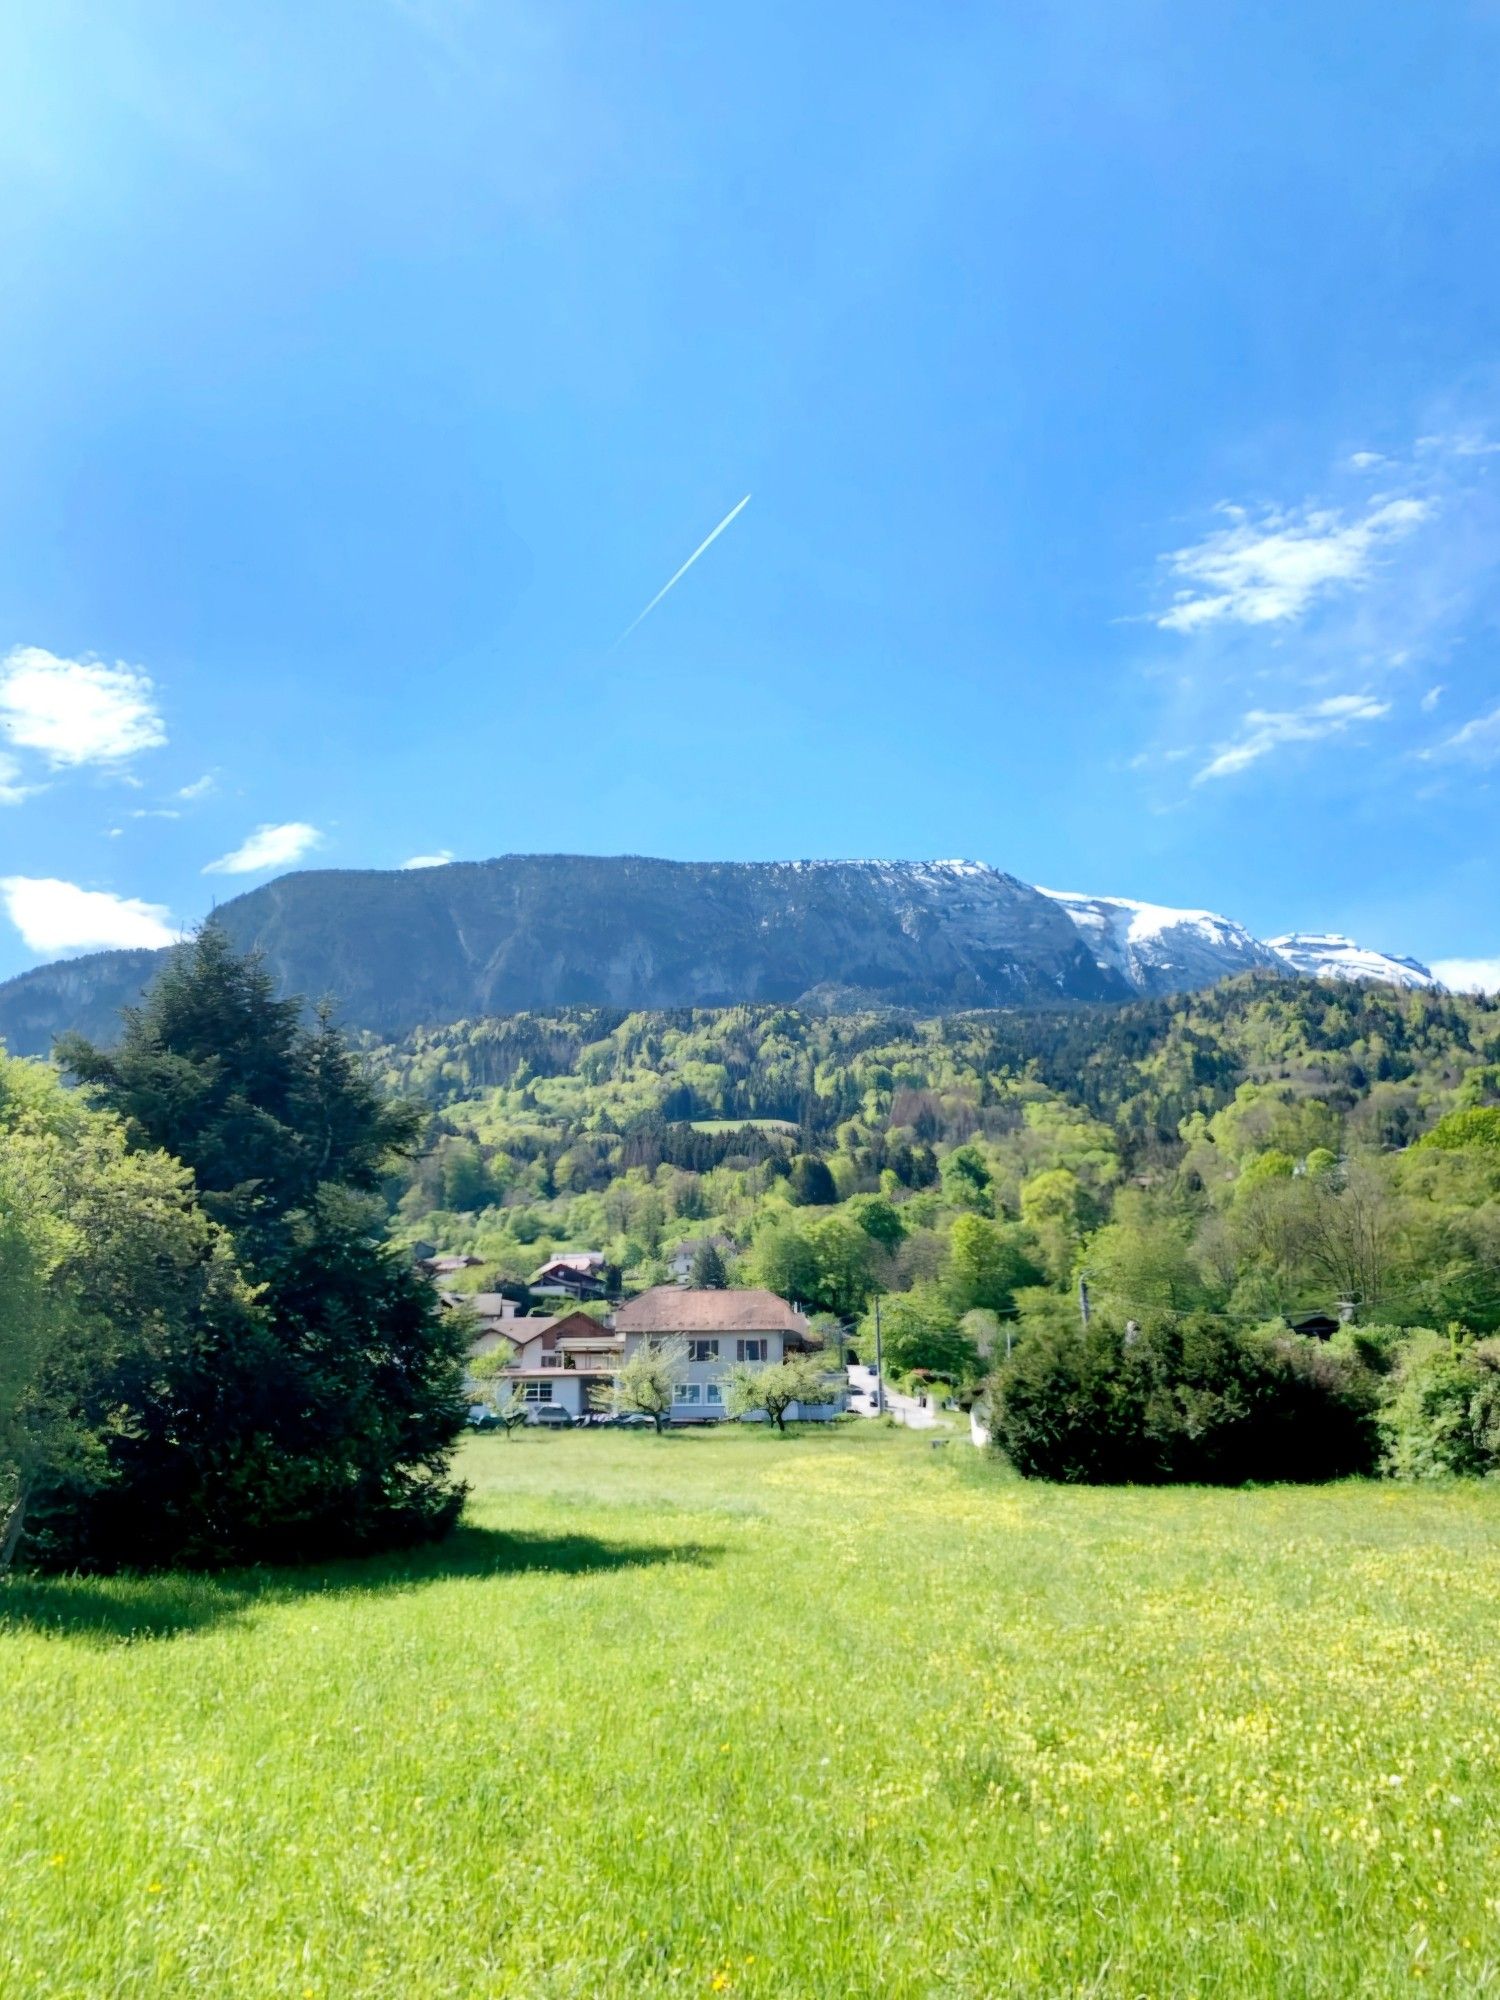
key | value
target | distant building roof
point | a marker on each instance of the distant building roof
(530, 1329)
(492, 1305)
(569, 1325)
(671, 1309)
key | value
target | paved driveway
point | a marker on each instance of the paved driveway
(905, 1409)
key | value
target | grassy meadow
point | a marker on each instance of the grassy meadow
(833, 1715)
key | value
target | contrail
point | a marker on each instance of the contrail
(681, 573)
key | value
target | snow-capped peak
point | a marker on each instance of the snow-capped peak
(1327, 955)
(1159, 949)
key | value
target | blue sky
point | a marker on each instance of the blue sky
(1117, 387)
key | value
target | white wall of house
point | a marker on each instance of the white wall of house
(488, 1341)
(557, 1388)
(710, 1359)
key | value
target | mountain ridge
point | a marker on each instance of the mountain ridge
(401, 948)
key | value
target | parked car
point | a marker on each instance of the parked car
(552, 1416)
(482, 1418)
(631, 1420)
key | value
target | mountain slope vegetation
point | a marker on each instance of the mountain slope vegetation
(1248, 1150)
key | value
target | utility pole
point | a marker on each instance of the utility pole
(879, 1364)
(1083, 1300)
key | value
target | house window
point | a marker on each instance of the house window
(552, 1361)
(712, 1393)
(537, 1392)
(752, 1350)
(687, 1392)
(703, 1350)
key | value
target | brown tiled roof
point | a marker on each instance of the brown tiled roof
(571, 1323)
(527, 1330)
(671, 1309)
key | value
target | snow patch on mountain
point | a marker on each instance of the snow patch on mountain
(1327, 955)
(1159, 949)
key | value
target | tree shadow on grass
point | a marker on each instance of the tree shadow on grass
(114, 1610)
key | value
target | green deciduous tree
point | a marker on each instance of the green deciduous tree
(115, 1288)
(986, 1264)
(775, 1387)
(920, 1330)
(967, 1180)
(878, 1217)
(644, 1381)
(784, 1261)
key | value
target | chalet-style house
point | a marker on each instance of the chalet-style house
(560, 1362)
(572, 1274)
(438, 1268)
(555, 1361)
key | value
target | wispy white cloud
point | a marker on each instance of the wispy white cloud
(1264, 730)
(77, 711)
(1477, 742)
(267, 847)
(12, 791)
(438, 860)
(153, 812)
(55, 916)
(1378, 582)
(199, 788)
(1456, 444)
(1469, 975)
(1273, 567)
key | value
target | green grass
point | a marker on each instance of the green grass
(739, 1124)
(833, 1715)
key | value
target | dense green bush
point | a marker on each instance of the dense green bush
(1442, 1416)
(1184, 1398)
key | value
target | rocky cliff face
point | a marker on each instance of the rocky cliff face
(399, 949)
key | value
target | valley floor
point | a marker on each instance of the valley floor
(831, 1715)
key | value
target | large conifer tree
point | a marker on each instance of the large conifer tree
(325, 1421)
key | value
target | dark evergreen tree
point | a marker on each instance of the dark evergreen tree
(708, 1273)
(322, 1419)
(812, 1183)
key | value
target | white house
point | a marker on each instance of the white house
(560, 1363)
(556, 1363)
(720, 1328)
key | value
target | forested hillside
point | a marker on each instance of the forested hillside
(1247, 1150)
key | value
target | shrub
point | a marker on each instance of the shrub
(1442, 1415)
(1187, 1398)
